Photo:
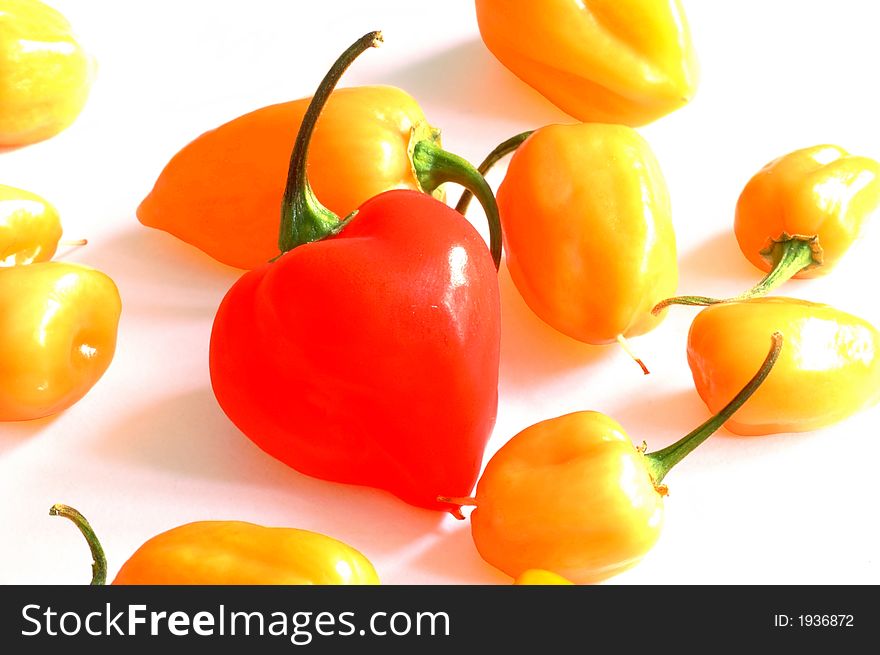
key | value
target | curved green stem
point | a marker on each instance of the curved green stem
(790, 256)
(434, 166)
(303, 218)
(501, 151)
(660, 462)
(99, 561)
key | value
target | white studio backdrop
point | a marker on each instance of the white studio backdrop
(149, 448)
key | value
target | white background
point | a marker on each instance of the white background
(148, 448)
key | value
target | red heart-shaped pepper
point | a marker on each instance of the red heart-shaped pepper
(370, 355)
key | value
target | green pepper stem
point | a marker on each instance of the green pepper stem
(434, 166)
(790, 256)
(502, 150)
(303, 218)
(660, 462)
(99, 561)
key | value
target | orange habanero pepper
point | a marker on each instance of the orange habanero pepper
(230, 553)
(58, 324)
(627, 61)
(799, 215)
(572, 495)
(830, 368)
(587, 227)
(29, 227)
(221, 193)
(45, 75)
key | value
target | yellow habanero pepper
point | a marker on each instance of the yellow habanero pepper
(798, 216)
(587, 227)
(45, 75)
(231, 553)
(29, 227)
(627, 61)
(58, 325)
(830, 368)
(572, 495)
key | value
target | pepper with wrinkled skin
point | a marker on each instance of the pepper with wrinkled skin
(29, 227)
(830, 368)
(626, 61)
(799, 215)
(231, 553)
(572, 495)
(58, 324)
(587, 227)
(822, 195)
(45, 75)
(221, 192)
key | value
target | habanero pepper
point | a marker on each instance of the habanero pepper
(45, 75)
(798, 216)
(830, 368)
(368, 351)
(628, 61)
(572, 495)
(58, 324)
(230, 553)
(587, 227)
(220, 193)
(29, 227)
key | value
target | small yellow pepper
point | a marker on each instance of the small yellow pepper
(815, 199)
(830, 368)
(45, 75)
(587, 227)
(231, 553)
(572, 495)
(29, 227)
(799, 215)
(627, 61)
(58, 325)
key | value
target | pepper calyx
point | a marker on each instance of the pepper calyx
(774, 251)
(424, 131)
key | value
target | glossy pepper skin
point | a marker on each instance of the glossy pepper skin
(821, 195)
(574, 497)
(830, 368)
(58, 323)
(367, 352)
(598, 514)
(239, 553)
(45, 75)
(626, 61)
(587, 227)
(370, 357)
(29, 227)
(221, 192)
(230, 553)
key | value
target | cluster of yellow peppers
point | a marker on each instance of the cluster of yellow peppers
(588, 235)
(58, 320)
